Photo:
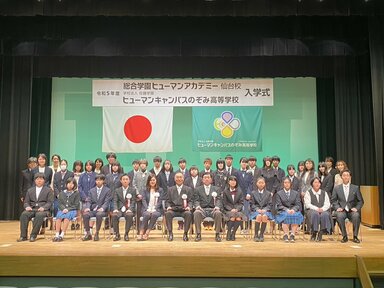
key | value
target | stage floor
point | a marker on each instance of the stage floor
(159, 258)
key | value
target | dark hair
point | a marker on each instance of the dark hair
(301, 163)
(158, 159)
(345, 165)
(257, 180)
(182, 160)
(117, 163)
(276, 158)
(76, 163)
(218, 161)
(290, 166)
(252, 158)
(322, 164)
(136, 161)
(71, 180)
(313, 180)
(111, 154)
(100, 160)
(150, 177)
(145, 161)
(31, 160)
(170, 168)
(125, 174)
(42, 155)
(90, 162)
(100, 177)
(313, 164)
(206, 173)
(265, 159)
(346, 170)
(193, 167)
(329, 159)
(208, 160)
(233, 178)
(229, 156)
(64, 161)
(57, 155)
(243, 159)
(286, 178)
(39, 175)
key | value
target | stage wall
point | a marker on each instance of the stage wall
(289, 127)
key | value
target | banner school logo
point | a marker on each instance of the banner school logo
(227, 124)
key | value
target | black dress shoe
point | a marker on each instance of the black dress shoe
(228, 238)
(233, 237)
(198, 237)
(319, 236)
(356, 240)
(126, 237)
(313, 236)
(185, 237)
(170, 236)
(344, 240)
(256, 238)
(32, 238)
(261, 238)
(117, 237)
(96, 238)
(21, 239)
(87, 237)
(217, 237)
(42, 231)
(73, 226)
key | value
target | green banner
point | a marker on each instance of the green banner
(227, 129)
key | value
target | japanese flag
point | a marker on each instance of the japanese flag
(138, 129)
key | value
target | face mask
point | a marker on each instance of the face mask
(63, 167)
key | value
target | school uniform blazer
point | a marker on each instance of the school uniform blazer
(186, 173)
(146, 198)
(59, 181)
(48, 173)
(284, 204)
(175, 201)
(220, 179)
(244, 179)
(113, 182)
(261, 201)
(278, 174)
(71, 203)
(229, 204)
(296, 183)
(103, 201)
(204, 201)
(201, 173)
(45, 199)
(140, 181)
(189, 182)
(233, 171)
(85, 186)
(355, 199)
(25, 182)
(119, 200)
(163, 183)
(327, 184)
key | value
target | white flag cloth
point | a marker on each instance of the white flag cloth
(138, 129)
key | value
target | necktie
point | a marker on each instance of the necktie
(207, 191)
(288, 194)
(98, 193)
(178, 190)
(346, 194)
(124, 193)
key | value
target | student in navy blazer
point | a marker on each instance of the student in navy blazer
(87, 181)
(43, 168)
(99, 201)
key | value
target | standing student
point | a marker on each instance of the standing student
(220, 175)
(56, 160)
(330, 166)
(341, 165)
(183, 168)
(166, 176)
(207, 167)
(43, 168)
(325, 178)
(87, 181)
(135, 169)
(309, 174)
(68, 205)
(279, 174)
(77, 169)
(26, 180)
(228, 165)
(296, 184)
(156, 166)
(98, 165)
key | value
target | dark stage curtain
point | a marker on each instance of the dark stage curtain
(376, 44)
(15, 113)
(41, 116)
(354, 123)
(326, 128)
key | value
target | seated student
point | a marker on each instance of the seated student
(97, 206)
(233, 203)
(347, 201)
(316, 201)
(37, 203)
(68, 204)
(261, 202)
(207, 203)
(152, 206)
(124, 200)
(288, 210)
(59, 182)
(179, 204)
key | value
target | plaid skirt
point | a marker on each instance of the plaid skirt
(284, 217)
(228, 215)
(255, 214)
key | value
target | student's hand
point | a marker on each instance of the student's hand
(115, 211)
(128, 211)
(139, 197)
(169, 209)
(65, 211)
(262, 211)
(87, 210)
(234, 210)
(187, 209)
(28, 209)
(353, 209)
(100, 210)
(291, 211)
(22, 199)
(41, 209)
(340, 210)
(320, 210)
(248, 197)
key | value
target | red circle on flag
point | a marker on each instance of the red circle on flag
(137, 129)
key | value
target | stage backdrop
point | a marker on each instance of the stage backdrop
(288, 128)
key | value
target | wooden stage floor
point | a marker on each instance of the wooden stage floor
(159, 258)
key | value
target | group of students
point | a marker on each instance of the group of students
(225, 195)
